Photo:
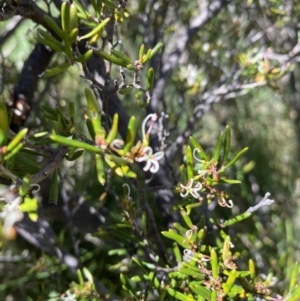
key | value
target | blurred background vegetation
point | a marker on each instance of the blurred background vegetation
(240, 69)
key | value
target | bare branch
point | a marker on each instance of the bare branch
(53, 164)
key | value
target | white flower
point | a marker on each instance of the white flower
(151, 159)
(189, 189)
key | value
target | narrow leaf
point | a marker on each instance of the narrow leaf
(179, 296)
(218, 148)
(4, 124)
(236, 157)
(201, 291)
(230, 281)
(95, 30)
(78, 144)
(16, 140)
(226, 144)
(131, 133)
(189, 163)
(176, 237)
(214, 263)
(53, 196)
(100, 169)
(294, 277)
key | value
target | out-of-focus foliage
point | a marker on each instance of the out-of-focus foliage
(143, 198)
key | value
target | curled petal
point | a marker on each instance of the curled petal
(198, 186)
(202, 172)
(148, 151)
(116, 145)
(188, 234)
(155, 166)
(150, 116)
(187, 255)
(222, 202)
(195, 194)
(184, 194)
(229, 204)
(194, 154)
(147, 166)
(128, 189)
(205, 258)
(159, 155)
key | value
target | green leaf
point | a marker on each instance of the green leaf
(236, 219)
(229, 282)
(176, 237)
(114, 129)
(182, 174)
(150, 79)
(100, 169)
(213, 296)
(230, 181)
(94, 112)
(72, 112)
(55, 70)
(29, 205)
(52, 24)
(194, 274)
(189, 162)
(90, 128)
(155, 50)
(239, 154)
(181, 229)
(53, 196)
(138, 263)
(16, 140)
(75, 155)
(65, 15)
(110, 4)
(177, 252)
(121, 56)
(125, 91)
(4, 124)
(96, 30)
(74, 143)
(27, 160)
(49, 110)
(87, 274)
(186, 218)
(141, 52)
(25, 187)
(251, 266)
(119, 252)
(117, 169)
(126, 284)
(179, 296)
(80, 8)
(115, 60)
(294, 277)
(295, 296)
(13, 152)
(214, 263)
(131, 133)
(226, 144)
(218, 148)
(200, 290)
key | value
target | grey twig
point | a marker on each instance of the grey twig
(53, 164)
